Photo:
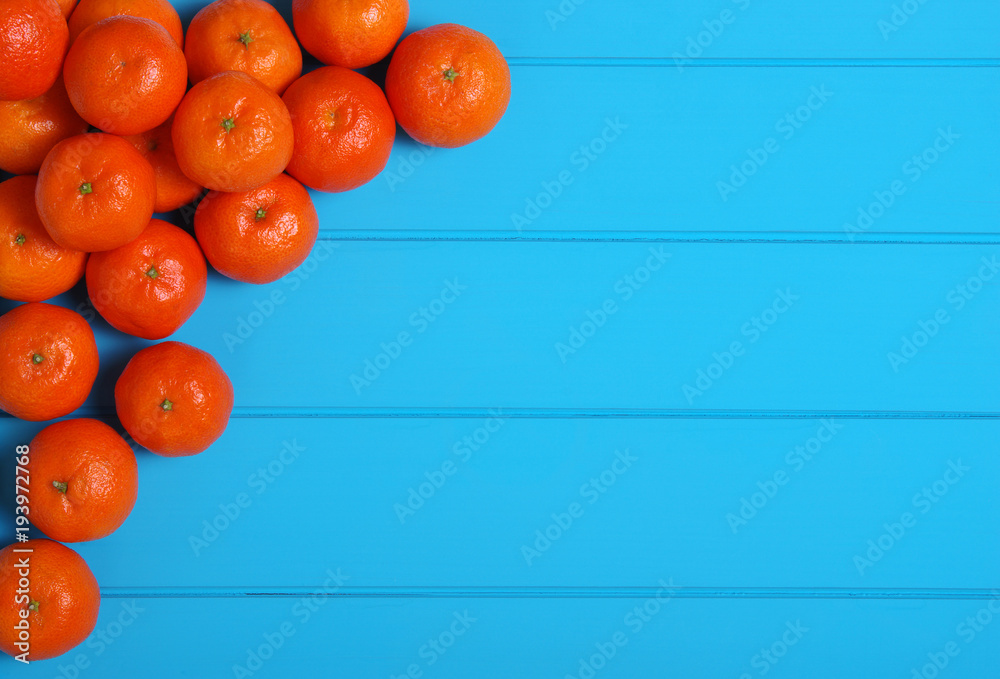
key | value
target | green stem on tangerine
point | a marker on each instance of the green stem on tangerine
(37, 358)
(19, 240)
(86, 188)
(260, 214)
(60, 486)
(152, 272)
(246, 39)
(167, 404)
(33, 606)
(450, 74)
(228, 123)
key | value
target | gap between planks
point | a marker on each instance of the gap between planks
(760, 62)
(334, 412)
(696, 237)
(673, 592)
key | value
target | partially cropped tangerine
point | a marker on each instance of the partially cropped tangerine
(33, 40)
(173, 187)
(60, 605)
(30, 128)
(91, 11)
(48, 361)
(33, 268)
(350, 33)
(67, 7)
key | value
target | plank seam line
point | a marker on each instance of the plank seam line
(335, 412)
(676, 592)
(693, 237)
(759, 62)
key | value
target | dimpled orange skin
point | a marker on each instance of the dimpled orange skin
(260, 235)
(33, 41)
(231, 133)
(349, 33)
(63, 599)
(30, 128)
(84, 480)
(48, 361)
(344, 129)
(448, 85)
(173, 188)
(32, 267)
(67, 7)
(243, 35)
(125, 75)
(150, 286)
(95, 192)
(174, 399)
(91, 11)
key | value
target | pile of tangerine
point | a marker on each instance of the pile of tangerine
(101, 129)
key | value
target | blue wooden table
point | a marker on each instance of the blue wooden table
(689, 369)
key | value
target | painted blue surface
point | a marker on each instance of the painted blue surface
(729, 442)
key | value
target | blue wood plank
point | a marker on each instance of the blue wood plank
(720, 28)
(586, 502)
(530, 638)
(848, 151)
(863, 328)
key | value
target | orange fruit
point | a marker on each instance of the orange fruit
(66, 6)
(61, 603)
(150, 286)
(349, 33)
(125, 74)
(448, 85)
(344, 129)
(91, 11)
(84, 479)
(48, 361)
(95, 192)
(260, 235)
(174, 399)
(243, 35)
(32, 267)
(231, 133)
(30, 128)
(33, 40)
(173, 188)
